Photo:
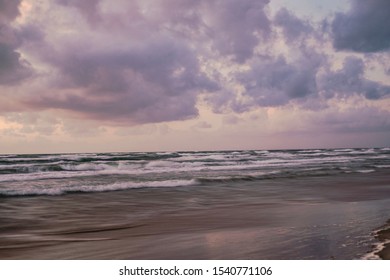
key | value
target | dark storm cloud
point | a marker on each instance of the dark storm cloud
(365, 28)
(276, 82)
(234, 28)
(155, 81)
(350, 80)
(293, 27)
(12, 67)
(238, 26)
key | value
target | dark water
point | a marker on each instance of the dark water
(286, 204)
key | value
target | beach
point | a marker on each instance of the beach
(383, 235)
(189, 224)
(341, 215)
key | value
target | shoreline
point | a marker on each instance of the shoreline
(188, 235)
(383, 235)
(318, 218)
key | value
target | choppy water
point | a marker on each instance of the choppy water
(68, 173)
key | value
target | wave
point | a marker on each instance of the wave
(39, 172)
(61, 190)
(58, 188)
(85, 167)
(38, 167)
(380, 244)
(9, 159)
(382, 166)
(365, 170)
(42, 176)
(343, 150)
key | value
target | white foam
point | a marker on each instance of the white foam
(41, 175)
(382, 166)
(10, 166)
(365, 170)
(85, 167)
(378, 246)
(309, 151)
(96, 188)
(280, 154)
(373, 255)
(318, 154)
(343, 150)
(160, 163)
(262, 152)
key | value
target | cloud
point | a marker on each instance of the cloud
(230, 28)
(276, 81)
(202, 125)
(138, 62)
(350, 80)
(307, 81)
(231, 120)
(13, 68)
(33, 123)
(353, 119)
(238, 26)
(293, 27)
(154, 81)
(149, 69)
(9, 10)
(88, 8)
(364, 28)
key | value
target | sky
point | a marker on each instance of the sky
(176, 75)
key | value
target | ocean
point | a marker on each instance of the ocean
(255, 204)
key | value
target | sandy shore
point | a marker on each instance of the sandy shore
(384, 236)
(242, 232)
(309, 218)
(185, 235)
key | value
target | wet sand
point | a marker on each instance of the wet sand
(317, 218)
(384, 237)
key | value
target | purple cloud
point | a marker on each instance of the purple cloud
(9, 10)
(88, 8)
(238, 26)
(234, 28)
(13, 68)
(365, 28)
(276, 82)
(158, 78)
(145, 63)
(350, 80)
(293, 27)
(156, 81)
